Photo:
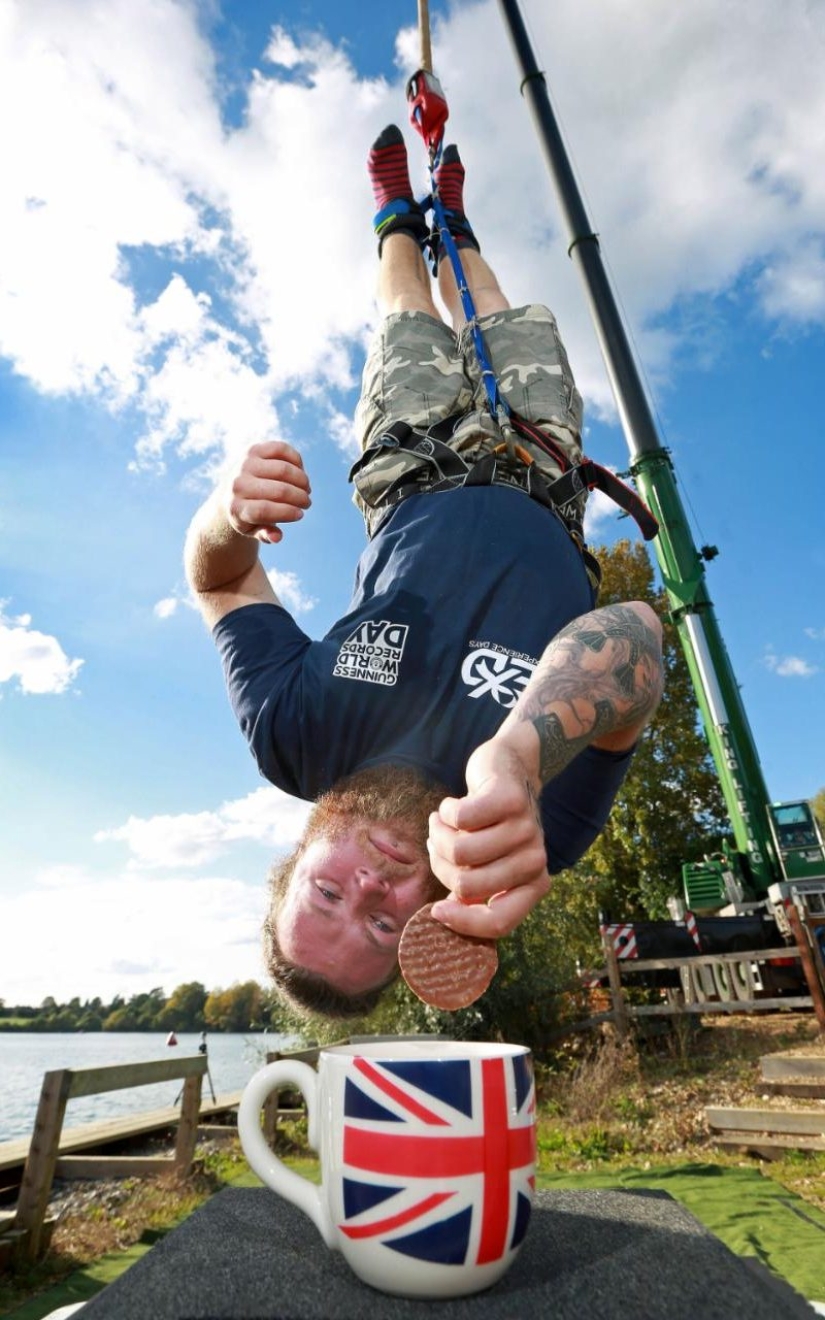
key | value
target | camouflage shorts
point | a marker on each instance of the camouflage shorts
(418, 372)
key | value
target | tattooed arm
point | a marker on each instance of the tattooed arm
(599, 682)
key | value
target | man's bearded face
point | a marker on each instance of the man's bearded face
(362, 870)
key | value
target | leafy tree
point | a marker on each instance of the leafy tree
(670, 808)
(184, 1008)
(121, 1019)
(237, 1009)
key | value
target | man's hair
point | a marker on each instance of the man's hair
(305, 991)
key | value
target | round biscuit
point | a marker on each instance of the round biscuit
(441, 967)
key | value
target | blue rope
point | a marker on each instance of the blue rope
(497, 406)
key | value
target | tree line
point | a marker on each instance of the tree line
(190, 1007)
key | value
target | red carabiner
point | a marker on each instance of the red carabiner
(428, 106)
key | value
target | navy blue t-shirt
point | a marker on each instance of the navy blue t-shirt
(454, 601)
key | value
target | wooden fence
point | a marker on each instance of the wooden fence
(43, 1161)
(716, 983)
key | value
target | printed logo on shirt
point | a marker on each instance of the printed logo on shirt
(493, 670)
(373, 653)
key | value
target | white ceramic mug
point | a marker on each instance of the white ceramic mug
(427, 1152)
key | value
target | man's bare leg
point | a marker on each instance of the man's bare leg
(404, 283)
(484, 287)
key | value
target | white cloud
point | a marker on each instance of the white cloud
(164, 609)
(790, 666)
(816, 634)
(129, 933)
(266, 816)
(35, 659)
(341, 428)
(289, 591)
(599, 511)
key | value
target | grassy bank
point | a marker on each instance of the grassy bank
(613, 1115)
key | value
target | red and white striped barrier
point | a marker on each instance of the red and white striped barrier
(693, 930)
(623, 939)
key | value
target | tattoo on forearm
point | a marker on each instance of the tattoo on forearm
(602, 673)
(534, 803)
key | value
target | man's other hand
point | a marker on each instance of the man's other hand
(270, 487)
(488, 848)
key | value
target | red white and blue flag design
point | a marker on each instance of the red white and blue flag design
(439, 1160)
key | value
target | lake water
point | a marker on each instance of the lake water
(26, 1056)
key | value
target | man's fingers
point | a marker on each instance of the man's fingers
(491, 921)
(477, 884)
(259, 469)
(276, 449)
(481, 846)
(494, 801)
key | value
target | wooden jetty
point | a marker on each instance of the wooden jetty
(31, 1165)
(107, 1132)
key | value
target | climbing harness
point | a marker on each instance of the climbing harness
(432, 464)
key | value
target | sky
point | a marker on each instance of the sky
(188, 265)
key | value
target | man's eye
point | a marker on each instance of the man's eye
(383, 925)
(328, 894)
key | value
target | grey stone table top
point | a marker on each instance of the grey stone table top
(588, 1255)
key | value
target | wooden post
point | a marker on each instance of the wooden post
(614, 976)
(819, 961)
(809, 967)
(271, 1106)
(424, 30)
(38, 1173)
(188, 1125)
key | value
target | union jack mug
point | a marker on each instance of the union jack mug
(428, 1157)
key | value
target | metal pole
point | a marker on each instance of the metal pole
(424, 30)
(631, 400)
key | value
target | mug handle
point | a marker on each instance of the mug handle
(272, 1171)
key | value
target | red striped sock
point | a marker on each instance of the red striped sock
(388, 169)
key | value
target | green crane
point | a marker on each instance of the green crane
(772, 843)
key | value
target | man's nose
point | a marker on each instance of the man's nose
(371, 882)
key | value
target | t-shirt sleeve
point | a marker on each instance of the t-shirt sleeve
(262, 651)
(576, 804)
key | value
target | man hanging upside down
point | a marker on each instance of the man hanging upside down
(465, 726)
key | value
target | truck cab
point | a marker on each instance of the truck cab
(798, 840)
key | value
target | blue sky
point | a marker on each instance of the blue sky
(188, 264)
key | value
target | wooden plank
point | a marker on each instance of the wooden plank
(809, 967)
(800, 1090)
(810, 1122)
(614, 976)
(792, 1065)
(767, 1145)
(122, 1076)
(188, 1126)
(104, 1132)
(749, 955)
(113, 1166)
(720, 1006)
(38, 1174)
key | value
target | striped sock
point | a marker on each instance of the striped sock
(449, 179)
(397, 209)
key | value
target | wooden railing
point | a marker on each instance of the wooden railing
(64, 1084)
(718, 982)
